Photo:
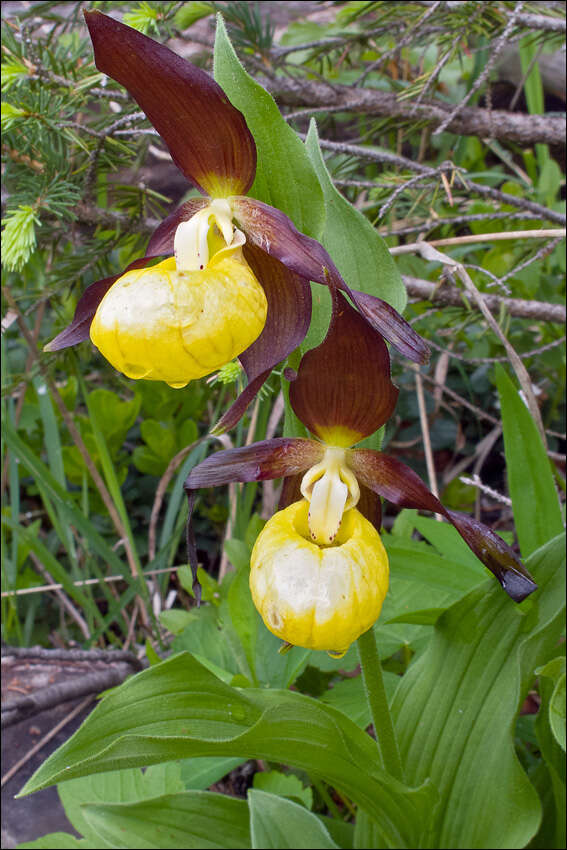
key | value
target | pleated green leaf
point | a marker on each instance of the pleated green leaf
(293, 189)
(552, 832)
(279, 824)
(537, 513)
(557, 712)
(361, 255)
(192, 819)
(178, 709)
(59, 841)
(119, 786)
(455, 709)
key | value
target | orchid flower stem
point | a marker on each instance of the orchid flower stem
(378, 703)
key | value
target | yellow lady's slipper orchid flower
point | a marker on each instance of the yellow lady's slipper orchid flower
(173, 323)
(316, 596)
(145, 322)
(319, 572)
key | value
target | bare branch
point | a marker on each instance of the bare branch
(471, 121)
(541, 22)
(446, 295)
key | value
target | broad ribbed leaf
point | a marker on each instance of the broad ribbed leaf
(119, 786)
(193, 819)
(343, 390)
(207, 137)
(552, 830)
(537, 513)
(395, 481)
(285, 177)
(278, 823)
(456, 708)
(361, 255)
(178, 709)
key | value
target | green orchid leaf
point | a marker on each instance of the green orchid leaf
(59, 841)
(199, 774)
(550, 735)
(295, 189)
(537, 513)
(276, 822)
(178, 709)
(555, 671)
(350, 697)
(120, 786)
(361, 255)
(557, 712)
(243, 616)
(367, 832)
(455, 709)
(284, 785)
(192, 819)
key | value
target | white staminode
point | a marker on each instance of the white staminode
(331, 489)
(190, 244)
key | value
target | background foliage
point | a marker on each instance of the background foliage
(94, 463)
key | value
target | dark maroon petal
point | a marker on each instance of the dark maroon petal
(236, 411)
(273, 232)
(343, 391)
(276, 234)
(206, 135)
(370, 506)
(257, 462)
(192, 547)
(87, 306)
(291, 491)
(495, 554)
(399, 484)
(287, 322)
(391, 325)
(161, 240)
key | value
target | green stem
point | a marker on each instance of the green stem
(378, 703)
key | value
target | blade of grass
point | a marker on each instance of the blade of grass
(52, 442)
(533, 88)
(38, 469)
(68, 419)
(53, 566)
(108, 469)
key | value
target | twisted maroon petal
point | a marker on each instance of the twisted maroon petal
(271, 230)
(370, 506)
(287, 322)
(399, 484)
(275, 458)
